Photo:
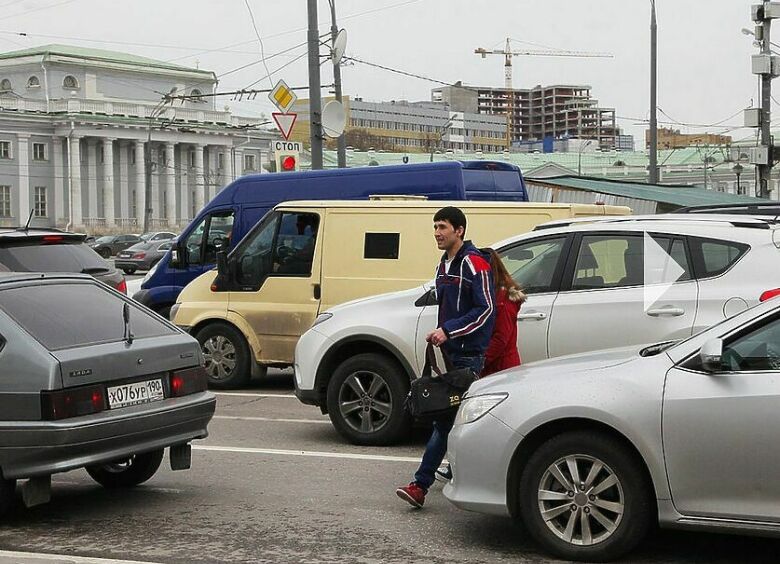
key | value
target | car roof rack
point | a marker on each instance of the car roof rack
(752, 208)
(736, 220)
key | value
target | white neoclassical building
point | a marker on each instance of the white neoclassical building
(76, 126)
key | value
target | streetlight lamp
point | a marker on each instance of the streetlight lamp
(579, 155)
(442, 130)
(737, 168)
(746, 31)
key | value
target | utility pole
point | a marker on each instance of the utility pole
(334, 31)
(653, 178)
(765, 169)
(315, 100)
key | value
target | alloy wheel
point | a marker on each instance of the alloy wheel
(365, 401)
(220, 356)
(581, 500)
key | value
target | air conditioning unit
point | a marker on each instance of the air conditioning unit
(752, 117)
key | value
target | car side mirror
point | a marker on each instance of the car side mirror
(222, 264)
(711, 356)
(175, 257)
(525, 254)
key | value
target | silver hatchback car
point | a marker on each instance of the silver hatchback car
(590, 450)
(89, 378)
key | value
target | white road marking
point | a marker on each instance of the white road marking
(63, 558)
(251, 395)
(243, 418)
(310, 453)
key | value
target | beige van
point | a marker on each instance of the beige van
(304, 257)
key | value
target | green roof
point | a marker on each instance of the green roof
(674, 194)
(97, 55)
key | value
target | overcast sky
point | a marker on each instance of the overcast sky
(704, 60)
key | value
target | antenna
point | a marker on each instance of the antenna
(29, 220)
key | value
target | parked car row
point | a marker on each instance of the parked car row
(111, 245)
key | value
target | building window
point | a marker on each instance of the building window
(5, 149)
(192, 159)
(70, 83)
(102, 155)
(5, 85)
(133, 206)
(197, 95)
(249, 162)
(39, 151)
(40, 202)
(5, 201)
(220, 160)
(33, 82)
(132, 156)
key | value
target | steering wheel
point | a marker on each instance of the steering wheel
(285, 253)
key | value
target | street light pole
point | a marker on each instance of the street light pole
(341, 147)
(653, 179)
(315, 100)
(765, 170)
(579, 156)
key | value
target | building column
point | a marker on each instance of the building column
(229, 164)
(184, 187)
(154, 203)
(140, 184)
(92, 162)
(124, 176)
(59, 173)
(239, 163)
(109, 185)
(169, 170)
(74, 182)
(23, 160)
(200, 179)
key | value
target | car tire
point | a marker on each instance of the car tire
(105, 253)
(378, 418)
(129, 271)
(227, 355)
(7, 495)
(578, 525)
(164, 311)
(127, 472)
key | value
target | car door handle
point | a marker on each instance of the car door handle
(532, 316)
(663, 311)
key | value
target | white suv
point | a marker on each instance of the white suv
(585, 280)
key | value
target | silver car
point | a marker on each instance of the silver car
(590, 450)
(89, 378)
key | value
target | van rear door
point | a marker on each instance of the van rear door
(277, 280)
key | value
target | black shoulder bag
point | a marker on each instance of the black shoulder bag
(435, 392)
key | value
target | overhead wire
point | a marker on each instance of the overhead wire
(260, 40)
(37, 9)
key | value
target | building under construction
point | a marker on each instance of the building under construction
(540, 113)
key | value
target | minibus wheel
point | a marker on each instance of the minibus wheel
(226, 353)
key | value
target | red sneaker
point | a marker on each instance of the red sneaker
(413, 494)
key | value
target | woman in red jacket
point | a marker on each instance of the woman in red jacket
(502, 351)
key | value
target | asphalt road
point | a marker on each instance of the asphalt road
(274, 483)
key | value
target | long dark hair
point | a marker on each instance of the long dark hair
(502, 278)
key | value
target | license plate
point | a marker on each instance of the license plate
(124, 255)
(135, 393)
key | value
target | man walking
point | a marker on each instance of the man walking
(464, 291)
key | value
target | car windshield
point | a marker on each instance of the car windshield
(106, 239)
(76, 314)
(64, 257)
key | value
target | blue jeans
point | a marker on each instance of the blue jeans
(437, 444)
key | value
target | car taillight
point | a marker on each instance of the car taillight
(139, 255)
(188, 381)
(769, 294)
(122, 287)
(72, 402)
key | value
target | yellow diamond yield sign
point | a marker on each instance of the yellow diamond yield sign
(282, 97)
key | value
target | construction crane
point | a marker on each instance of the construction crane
(508, 53)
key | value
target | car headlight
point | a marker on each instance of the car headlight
(322, 317)
(472, 408)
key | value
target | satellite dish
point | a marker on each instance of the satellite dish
(334, 119)
(339, 45)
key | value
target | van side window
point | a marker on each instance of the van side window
(210, 234)
(381, 245)
(294, 248)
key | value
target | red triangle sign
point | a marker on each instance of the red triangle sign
(285, 123)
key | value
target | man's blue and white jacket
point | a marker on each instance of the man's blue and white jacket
(466, 301)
